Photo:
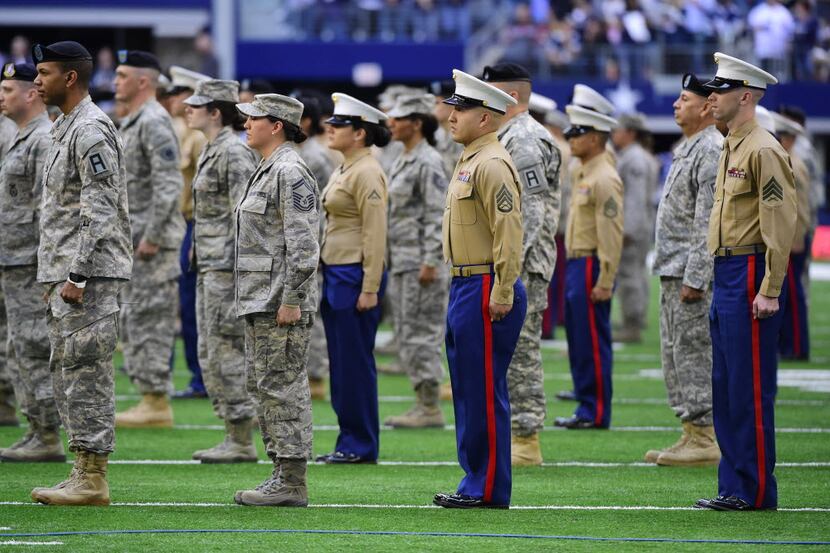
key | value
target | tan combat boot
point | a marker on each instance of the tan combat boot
(44, 446)
(238, 446)
(629, 333)
(525, 451)
(153, 411)
(425, 413)
(446, 391)
(317, 387)
(391, 368)
(8, 414)
(21, 442)
(699, 451)
(286, 489)
(87, 486)
(652, 454)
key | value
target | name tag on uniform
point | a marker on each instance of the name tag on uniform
(464, 176)
(736, 173)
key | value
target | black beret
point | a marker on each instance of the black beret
(66, 50)
(19, 72)
(505, 73)
(138, 58)
(445, 88)
(693, 85)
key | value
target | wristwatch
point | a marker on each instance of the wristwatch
(78, 281)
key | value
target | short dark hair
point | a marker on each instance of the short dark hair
(376, 135)
(293, 133)
(429, 125)
(83, 68)
(230, 115)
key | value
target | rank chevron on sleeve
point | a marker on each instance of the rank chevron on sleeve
(773, 191)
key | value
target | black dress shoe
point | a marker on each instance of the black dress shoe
(190, 393)
(340, 458)
(458, 501)
(566, 395)
(721, 503)
(574, 423)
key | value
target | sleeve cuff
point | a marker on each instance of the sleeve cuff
(605, 280)
(370, 286)
(769, 289)
(502, 294)
(81, 268)
(294, 298)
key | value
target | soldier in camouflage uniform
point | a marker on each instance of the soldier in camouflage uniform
(538, 161)
(222, 172)
(321, 166)
(84, 257)
(20, 191)
(449, 149)
(148, 321)
(639, 182)
(417, 193)
(277, 252)
(685, 269)
(8, 416)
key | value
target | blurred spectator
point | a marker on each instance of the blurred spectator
(522, 39)
(697, 20)
(203, 43)
(728, 19)
(455, 19)
(636, 36)
(805, 39)
(562, 46)
(393, 20)
(102, 84)
(426, 22)
(772, 26)
(21, 50)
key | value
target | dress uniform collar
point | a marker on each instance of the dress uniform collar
(734, 138)
(591, 164)
(64, 122)
(353, 158)
(478, 144)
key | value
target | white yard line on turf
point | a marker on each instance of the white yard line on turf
(15, 542)
(562, 464)
(422, 506)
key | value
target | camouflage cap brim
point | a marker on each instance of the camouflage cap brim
(197, 101)
(251, 110)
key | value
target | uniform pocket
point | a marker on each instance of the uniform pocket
(90, 343)
(739, 192)
(254, 277)
(255, 204)
(463, 207)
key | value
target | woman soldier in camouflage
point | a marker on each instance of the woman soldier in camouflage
(277, 224)
(417, 193)
(223, 169)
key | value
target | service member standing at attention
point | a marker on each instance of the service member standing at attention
(417, 193)
(277, 222)
(750, 234)
(20, 192)
(223, 170)
(148, 322)
(593, 240)
(538, 161)
(482, 238)
(684, 265)
(795, 330)
(636, 171)
(354, 278)
(84, 257)
(8, 413)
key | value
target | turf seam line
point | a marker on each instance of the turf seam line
(560, 464)
(419, 534)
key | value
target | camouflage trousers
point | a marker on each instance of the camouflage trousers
(6, 386)
(28, 345)
(150, 304)
(525, 376)
(83, 339)
(632, 282)
(222, 346)
(275, 362)
(420, 317)
(318, 356)
(686, 348)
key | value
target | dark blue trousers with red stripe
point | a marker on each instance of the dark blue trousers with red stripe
(588, 329)
(479, 352)
(350, 335)
(794, 342)
(744, 367)
(187, 310)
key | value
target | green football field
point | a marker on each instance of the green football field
(593, 494)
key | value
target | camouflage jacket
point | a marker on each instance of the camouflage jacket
(634, 164)
(317, 159)
(7, 131)
(223, 170)
(84, 219)
(683, 213)
(538, 160)
(417, 194)
(449, 149)
(154, 179)
(20, 190)
(277, 251)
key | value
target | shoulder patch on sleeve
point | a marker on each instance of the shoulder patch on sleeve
(167, 152)
(303, 196)
(504, 199)
(88, 137)
(610, 208)
(773, 192)
(533, 179)
(374, 196)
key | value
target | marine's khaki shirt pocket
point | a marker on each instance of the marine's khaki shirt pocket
(462, 204)
(741, 204)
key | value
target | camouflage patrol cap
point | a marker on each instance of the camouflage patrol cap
(632, 121)
(411, 104)
(285, 108)
(214, 90)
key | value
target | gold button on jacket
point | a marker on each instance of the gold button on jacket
(482, 218)
(755, 200)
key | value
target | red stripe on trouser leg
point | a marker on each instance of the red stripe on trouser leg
(756, 384)
(592, 323)
(794, 309)
(488, 387)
